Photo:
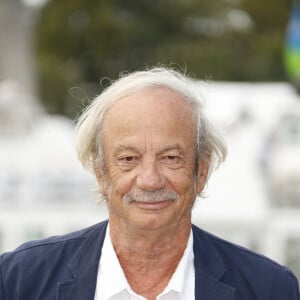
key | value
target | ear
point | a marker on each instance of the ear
(100, 176)
(202, 174)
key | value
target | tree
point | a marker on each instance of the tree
(81, 41)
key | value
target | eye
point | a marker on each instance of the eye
(171, 159)
(127, 161)
(127, 158)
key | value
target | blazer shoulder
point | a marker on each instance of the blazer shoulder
(233, 254)
(248, 270)
(37, 267)
(53, 241)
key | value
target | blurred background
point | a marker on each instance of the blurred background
(55, 56)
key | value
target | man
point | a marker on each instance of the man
(151, 148)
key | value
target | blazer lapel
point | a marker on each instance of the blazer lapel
(209, 288)
(209, 270)
(83, 268)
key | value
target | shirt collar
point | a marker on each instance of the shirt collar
(178, 281)
(109, 267)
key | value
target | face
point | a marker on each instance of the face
(148, 143)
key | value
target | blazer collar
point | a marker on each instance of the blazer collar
(84, 267)
(209, 269)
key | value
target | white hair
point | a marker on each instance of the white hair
(209, 143)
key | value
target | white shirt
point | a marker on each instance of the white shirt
(112, 283)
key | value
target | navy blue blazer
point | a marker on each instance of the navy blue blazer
(65, 268)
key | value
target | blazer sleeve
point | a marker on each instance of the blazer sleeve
(286, 287)
(1, 281)
(293, 290)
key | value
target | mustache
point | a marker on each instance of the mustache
(153, 196)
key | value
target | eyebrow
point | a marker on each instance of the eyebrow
(118, 149)
(171, 147)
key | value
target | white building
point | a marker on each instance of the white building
(44, 190)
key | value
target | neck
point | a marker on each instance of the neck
(149, 257)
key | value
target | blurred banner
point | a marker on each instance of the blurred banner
(292, 48)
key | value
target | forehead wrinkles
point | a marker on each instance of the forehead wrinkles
(154, 108)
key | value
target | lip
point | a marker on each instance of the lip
(153, 205)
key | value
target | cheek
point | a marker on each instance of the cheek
(183, 182)
(119, 182)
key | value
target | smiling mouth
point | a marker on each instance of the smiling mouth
(152, 205)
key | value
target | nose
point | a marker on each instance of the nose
(150, 177)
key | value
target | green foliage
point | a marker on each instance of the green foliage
(81, 41)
